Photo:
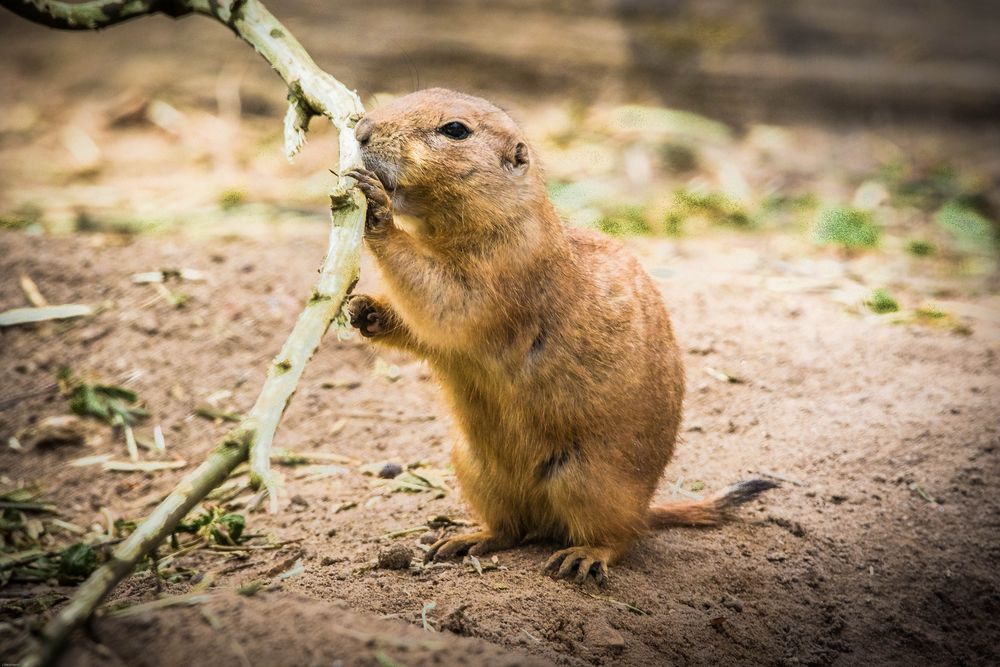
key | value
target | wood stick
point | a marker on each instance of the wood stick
(311, 92)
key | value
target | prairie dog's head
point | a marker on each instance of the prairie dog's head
(448, 155)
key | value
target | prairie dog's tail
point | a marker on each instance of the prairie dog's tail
(712, 510)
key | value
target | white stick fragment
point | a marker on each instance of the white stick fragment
(89, 460)
(15, 316)
(130, 445)
(158, 441)
(31, 292)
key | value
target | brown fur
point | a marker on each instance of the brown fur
(552, 345)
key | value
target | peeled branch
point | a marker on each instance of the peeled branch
(312, 92)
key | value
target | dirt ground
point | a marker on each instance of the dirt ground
(882, 545)
(847, 563)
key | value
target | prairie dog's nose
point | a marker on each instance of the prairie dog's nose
(363, 131)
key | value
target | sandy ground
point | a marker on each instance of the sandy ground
(848, 563)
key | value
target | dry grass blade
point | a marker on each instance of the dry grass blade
(424, 611)
(406, 531)
(188, 599)
(624, 605)
(143, 466)
(15, 316)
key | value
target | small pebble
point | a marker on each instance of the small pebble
(732, 602)
(390, 471)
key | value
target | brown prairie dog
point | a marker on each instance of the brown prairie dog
(552, 345)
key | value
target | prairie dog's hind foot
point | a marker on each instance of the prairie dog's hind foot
(579, 562)
(474, 544)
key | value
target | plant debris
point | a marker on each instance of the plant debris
(141, 466)
(210, 413)
(77, 562)
(165, 275)
(722, 376)
(424, 611)
(112, 404)
(920, 491)
(15, 316)
(216, 526)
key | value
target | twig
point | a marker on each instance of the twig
(172, 601)
(381, 416)
(406, 531)
(143, 466)
(142, 541)
(9, 561)
(94, 14)
(252, 547)
(28, 507)
(31, 292)
(313, 92)
(211, 413)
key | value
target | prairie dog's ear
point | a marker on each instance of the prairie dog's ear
(516, 158)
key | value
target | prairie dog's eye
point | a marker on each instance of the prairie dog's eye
(455, 130)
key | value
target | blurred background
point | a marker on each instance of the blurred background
(850, 125)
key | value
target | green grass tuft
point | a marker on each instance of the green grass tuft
(920, 248)
(848, 228)
(881, 302)
(230, 199)
(716, 207)
(929, 312)
(971, 230)
(673, 224)
(624, 221)
(21, 218)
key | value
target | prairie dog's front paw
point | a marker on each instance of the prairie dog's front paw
(366, 315)
(379, 217)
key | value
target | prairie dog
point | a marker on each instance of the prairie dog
(552, 344)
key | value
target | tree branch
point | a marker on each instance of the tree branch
(150, 534)
(92, 15)
(311, 92)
